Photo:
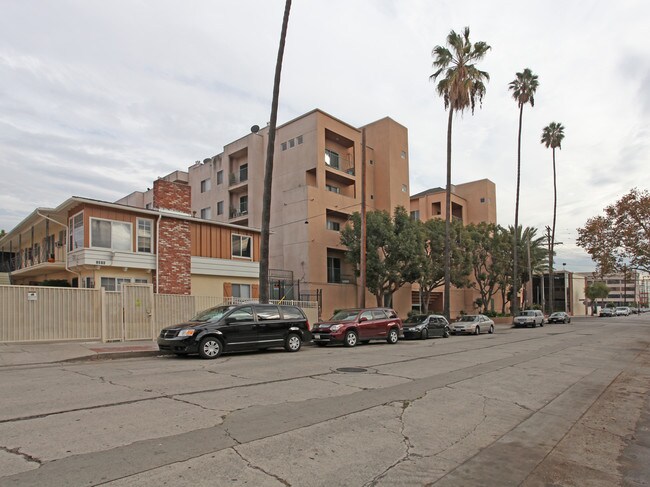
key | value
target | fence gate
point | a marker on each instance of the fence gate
(137, 303)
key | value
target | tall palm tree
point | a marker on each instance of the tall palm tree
(552, 136)
(461, 86)
(268, 170)
(523, 89)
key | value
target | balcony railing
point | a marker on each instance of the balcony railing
(236, 178)
(237, 212)
(335, 277)
(336, 161)
(22, 261)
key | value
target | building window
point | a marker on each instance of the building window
(242, 246)
(206, 213)
(241, 290)
(88, 282)
(415, 215)
(332, 225)
(108, 234)
(243, 173)
(220, 177)
(292, 143)
(113, 284)
(371, 162)
(333, 269)
(404, 188)
(148, 206)
(482, 200)
(145, 234)
(333, 189)
(243, 205)
(206, 185)
(332, 158)
(299, 139)
(219, 207)
(403, 154)
(284, 145)
(76, 232)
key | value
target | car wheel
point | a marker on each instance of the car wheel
(321, 344)
(393, 336)
(491, 330)
(542, 323)
(569, 320)
(425, 334)
(534, 325)
(209, 348)
(477, 330)
(350, 339)
(445, 334)
(292, 343)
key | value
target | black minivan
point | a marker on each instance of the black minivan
(237, 327)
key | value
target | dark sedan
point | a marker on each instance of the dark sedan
(424, 326)
(559, 317)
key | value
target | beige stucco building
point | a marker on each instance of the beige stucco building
(317, 185)
(472, 202)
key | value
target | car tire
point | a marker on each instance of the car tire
(350, 339)
(491, 330)
(393, 336)
(542, 323)
(569, 320)
(210, 348)
(477, 330)
(321, 344)
(293, 342)
(425, 334)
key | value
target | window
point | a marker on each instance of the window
(205, 185)
(292, 143)
(378, 314)
(108, 234)
(241, 291)
(206, 213)
(115, 283)
(292, 313)
(415, 215)
(284, 145)
(243, 314)
(88, 282)
(367, 315)
(108, 283)
(243, 172)
(242, 246)
(482, 200)
(299, 139)
(331, 158)
(243, 204)
(220, 177)
(148, 206)
(332, 225)
(219, 207)
(333, 189)
(404, 188)
(76, 232)
(333, 269)
(267, 312)
(145, 233)
(371, 162)
(403, 154)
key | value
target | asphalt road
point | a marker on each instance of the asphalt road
(558, 405)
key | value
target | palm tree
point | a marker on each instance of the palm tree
(552, 136)
(268, 171)
(523, 89)
(460, 87)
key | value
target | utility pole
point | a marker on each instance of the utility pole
(362, 249)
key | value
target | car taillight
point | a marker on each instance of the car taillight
(308, 326)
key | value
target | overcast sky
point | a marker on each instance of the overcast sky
(98, 98)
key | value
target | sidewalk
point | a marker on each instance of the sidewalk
(51, 352)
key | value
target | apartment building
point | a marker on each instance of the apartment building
(317, 185)
(91, 244)
(471, 202)
(625, 288)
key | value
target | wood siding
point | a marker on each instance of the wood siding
(215, 241)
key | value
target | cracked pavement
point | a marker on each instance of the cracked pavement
(565, 400)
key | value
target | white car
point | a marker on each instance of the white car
(473, 324)
(622, 311)
(529, 317)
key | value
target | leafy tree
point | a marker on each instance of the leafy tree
(621, 238)
(598, 290)
(432, 267)
(480, 244)
(461, 86)
(523, 89)
(268, 170)
(393, 251)
(552, 136)
(2, 233)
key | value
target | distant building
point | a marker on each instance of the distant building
(568, 292)
(625, 289)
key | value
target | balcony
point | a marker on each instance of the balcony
(238, 213)
(27, 261)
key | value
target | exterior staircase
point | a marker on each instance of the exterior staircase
(4, 279)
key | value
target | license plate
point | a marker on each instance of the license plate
(317, 337)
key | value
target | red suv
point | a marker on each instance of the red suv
(351, 326)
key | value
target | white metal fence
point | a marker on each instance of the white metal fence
(29, 313)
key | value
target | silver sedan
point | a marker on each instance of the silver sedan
(473, 324)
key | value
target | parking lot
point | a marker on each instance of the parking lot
(565, 404)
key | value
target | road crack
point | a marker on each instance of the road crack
(26, 456)
(260, 469)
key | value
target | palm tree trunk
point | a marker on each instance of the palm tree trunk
(515, 250)
(551, 273)
(447, 310)
(268, 171)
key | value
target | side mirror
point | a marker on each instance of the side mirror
(363, 318)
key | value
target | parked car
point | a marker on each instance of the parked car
(425, 326)
(529, 317)
(559, 317)
(237, 327)
(351, 326)
(622, 311)
(604, 312)
(473, 324)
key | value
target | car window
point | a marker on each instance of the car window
(367, 315)
(242, 314)
(416, 319)
(268, 312)
(345, 315)
(467, 318)
(291, 313)
(391, 314)
(378, 314)
(212, 314)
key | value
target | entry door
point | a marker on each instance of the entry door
(241, 332)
